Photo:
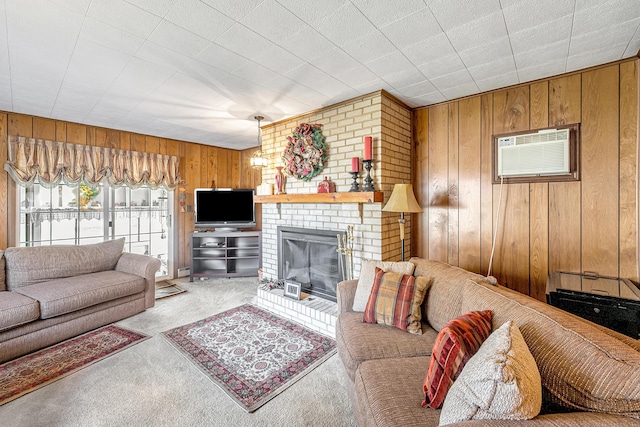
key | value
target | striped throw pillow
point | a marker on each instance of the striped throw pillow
(395, 300)
(456, 343)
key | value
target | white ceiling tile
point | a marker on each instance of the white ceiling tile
(405, 77)
(418, 89)
(427, 99)
(79, 6)
(344, 24)
(389, 64)
(125, 16)
(312, 11)
(497, 81)
(524, 15)
(413, 28)
(317, 79)
(355, 76)
(138, 79)
(543, 54)
(32, 106)
(233, 8)
(94, 66)
(548, 33)
(603, 55)
(370, 47)
(488, 52)
(221, 58)
(279, 60)
(500, 66)
(178, 39)
(634, 45)
(452, 81)
(605, 15)
(441, 66)
(206, 73)
(307, 44)
(602, 39)
(199, 18)
(542, 69)
(160, 55)
(429, 50)
(333, 61)
(244, 41)
(70, 97)
(5, 89)
(483, 30)
(459, 90)
(75, 115)
(157, 7)
(451, 14)
(273, 21)
(112, 37)
(382, 13)
(254, 72)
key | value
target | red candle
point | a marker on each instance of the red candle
(368, 148)
(355, 164)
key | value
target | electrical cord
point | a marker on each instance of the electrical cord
(495, 230)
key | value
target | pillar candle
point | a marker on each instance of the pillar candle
(355, 164)
(368, 148)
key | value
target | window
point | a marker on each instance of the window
(85, 214)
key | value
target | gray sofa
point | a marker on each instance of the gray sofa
(51, 293)
(590, 375)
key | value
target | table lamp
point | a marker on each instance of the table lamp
(402, 200)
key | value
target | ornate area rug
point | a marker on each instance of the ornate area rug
(27, 373)
(253, 355)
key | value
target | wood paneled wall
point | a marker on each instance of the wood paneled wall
(200, 165)
(589, 225)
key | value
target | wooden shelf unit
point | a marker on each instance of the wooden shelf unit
(225, 254)
(348, 197)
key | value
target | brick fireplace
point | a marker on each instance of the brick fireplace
(376, 234)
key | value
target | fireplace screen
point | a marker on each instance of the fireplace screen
(310, 257)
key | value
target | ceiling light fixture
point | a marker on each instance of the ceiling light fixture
(258, 160)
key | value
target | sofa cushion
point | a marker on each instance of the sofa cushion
(395, 300)
(500, 382)
(62, 296)
(389, 392)
(367, 274)
(444, 297)
(581, 367)
(3, 285)
(29, 265)
(16, 309)
(358, 341)
(456, 343)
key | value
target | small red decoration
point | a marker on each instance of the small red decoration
(327, 186)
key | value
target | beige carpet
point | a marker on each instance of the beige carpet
(151, 384)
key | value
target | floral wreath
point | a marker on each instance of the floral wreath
(306, 152)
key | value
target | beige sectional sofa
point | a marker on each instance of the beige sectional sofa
(590, 375)
(51, 293)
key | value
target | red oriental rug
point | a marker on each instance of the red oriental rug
(27, 373)
(251, 354)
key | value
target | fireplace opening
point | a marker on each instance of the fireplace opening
(310, 257)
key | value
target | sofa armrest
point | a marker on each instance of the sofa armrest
(143, 266)
(345, 293)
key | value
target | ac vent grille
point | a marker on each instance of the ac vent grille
(537, 154)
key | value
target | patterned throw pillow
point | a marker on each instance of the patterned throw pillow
(456, 343)
(395, 300)
(367, 274)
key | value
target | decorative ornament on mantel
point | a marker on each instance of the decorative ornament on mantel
(306, 152)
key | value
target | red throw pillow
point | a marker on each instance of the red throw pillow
(456, 343)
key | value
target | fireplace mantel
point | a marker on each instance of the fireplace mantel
(348, 197)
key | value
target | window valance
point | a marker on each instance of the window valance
(55, 162)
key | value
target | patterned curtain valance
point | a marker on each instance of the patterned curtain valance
(54, 162)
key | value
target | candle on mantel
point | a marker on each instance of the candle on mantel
(355, 164)
(368, 148)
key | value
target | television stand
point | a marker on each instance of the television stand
(225, 253)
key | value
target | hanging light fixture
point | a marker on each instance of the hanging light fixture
(258, 160)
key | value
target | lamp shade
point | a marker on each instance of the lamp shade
(402, 200)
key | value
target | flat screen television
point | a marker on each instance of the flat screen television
(224, 208)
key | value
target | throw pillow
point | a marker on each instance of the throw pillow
(395, 300)
(500, 382)
(455, 344)
(367, 273)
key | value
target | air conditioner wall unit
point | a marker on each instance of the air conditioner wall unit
(544, 155)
